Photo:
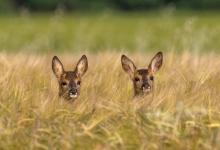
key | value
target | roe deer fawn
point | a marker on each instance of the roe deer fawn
(143, 79)
(69, 81)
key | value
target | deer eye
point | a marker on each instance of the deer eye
(63, 83)
(78, 82)
(151, 78)
(136, 79)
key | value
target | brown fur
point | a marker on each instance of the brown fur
(69, 81)
(143, 79)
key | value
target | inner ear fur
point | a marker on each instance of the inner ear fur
(156, 63)
(57, 67)
(128, 65)
(82, 66)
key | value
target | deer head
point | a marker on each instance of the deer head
(69, 81)
(143, 79)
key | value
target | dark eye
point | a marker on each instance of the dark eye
(78, 82)
(63, 83)
(136, 79)
(151, 78)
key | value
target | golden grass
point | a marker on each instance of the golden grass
(183, 112)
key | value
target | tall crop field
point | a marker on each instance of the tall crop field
(182, 113)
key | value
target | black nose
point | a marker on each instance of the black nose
(146, 86)
(73, 91)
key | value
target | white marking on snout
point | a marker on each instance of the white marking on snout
(73, 95)
(148, 89)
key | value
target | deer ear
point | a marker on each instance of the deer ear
(82, 66)
(57, 67)
(128, 65)
(156, 63)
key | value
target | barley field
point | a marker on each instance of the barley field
(182, 112)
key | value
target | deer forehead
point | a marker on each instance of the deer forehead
(70, 76)
(142, 73)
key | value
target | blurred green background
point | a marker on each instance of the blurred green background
(111, 25)
(48, 5)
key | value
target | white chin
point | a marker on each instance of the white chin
(73, 95)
